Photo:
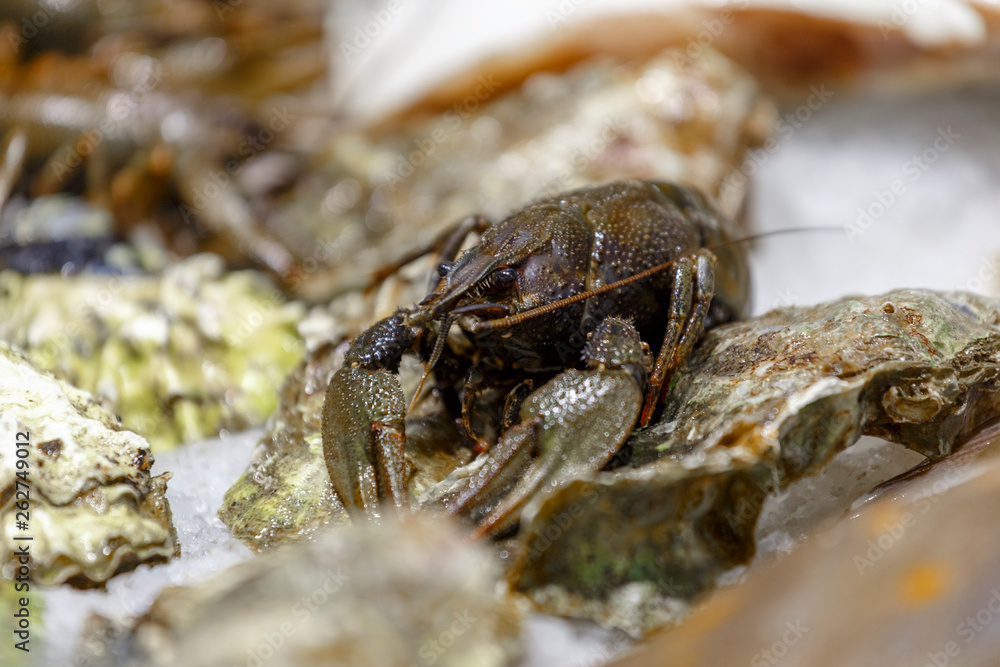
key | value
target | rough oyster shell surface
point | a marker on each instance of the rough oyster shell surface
(94, 509)
(900, 581)
(759, 404)
(179, 356)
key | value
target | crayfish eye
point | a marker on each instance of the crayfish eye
(444, 268)
(505, 276)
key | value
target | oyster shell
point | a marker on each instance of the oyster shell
(94, 510)
(286, 494)
(899, 582)
(392, 594)
(179, 356)
(759, 404)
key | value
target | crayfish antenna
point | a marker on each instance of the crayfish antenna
(435, 355)
(512, 320)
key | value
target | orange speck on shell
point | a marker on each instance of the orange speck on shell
(925, 582)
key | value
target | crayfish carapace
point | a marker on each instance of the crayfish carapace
(579, 280)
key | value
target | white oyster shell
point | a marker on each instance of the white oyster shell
(94, 509)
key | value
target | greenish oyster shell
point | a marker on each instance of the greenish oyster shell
(179, 356)
(416, 592)
(93, 510)
(286, 492)
(759, 404)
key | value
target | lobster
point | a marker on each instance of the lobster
(580, 278)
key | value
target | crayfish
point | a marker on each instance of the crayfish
(581, 279)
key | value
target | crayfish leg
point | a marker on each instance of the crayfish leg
(480, 429)
(446, 245)
(363, 436)
(692, 289)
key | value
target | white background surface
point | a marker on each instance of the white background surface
(942, 233)
(386, 54)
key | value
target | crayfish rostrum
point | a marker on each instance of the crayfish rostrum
(577, 281)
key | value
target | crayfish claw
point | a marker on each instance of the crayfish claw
(575, 423)
(498, 473)
(363, 437)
